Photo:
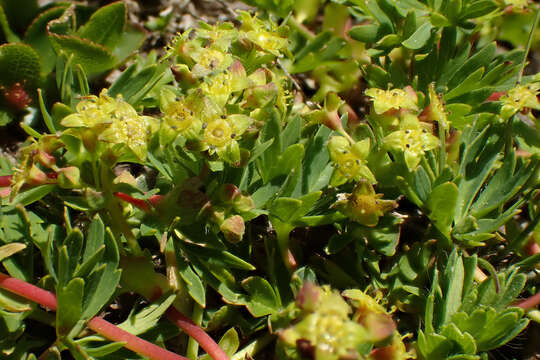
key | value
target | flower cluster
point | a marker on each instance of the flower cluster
(349, 160)
(396, 112)
(395, 99)
(113, 121)
(520, 98)
(220, 99)
(363, 205)
(38, 166)
(325, 329)
(414, 138)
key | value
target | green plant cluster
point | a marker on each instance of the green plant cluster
(316, 179)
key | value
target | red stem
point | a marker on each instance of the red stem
(133, 343)
(532, 247)
(99, 325)
(139, 203)
(5, 180)
(193, 330)
(530, 302)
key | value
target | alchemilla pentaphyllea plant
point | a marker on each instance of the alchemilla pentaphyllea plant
(322, 179)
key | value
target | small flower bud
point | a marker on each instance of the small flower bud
(233, 228)
(227, 193)
(308, 297)
(37, 177)
(69, 177)
(45, 159)
(243, 203)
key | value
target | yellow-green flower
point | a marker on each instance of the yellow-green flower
(436, 111)
(395, 99)
(517, 4)
(349, 160)
(519, 98)
(363, 205)
(182, 119)
(210, 60)
(266, 35)
(218, 133)
(132, 131)
(414, 138)
(112, 121)
(327, 328)
(221, 136)
(219, 36)
(221, 86)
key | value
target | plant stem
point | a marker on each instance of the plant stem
(442, 149)
(193, 330)
(193, 346)
(300, 28)
(528, 46)
(134, 343)
(115, 210)
(5, 180)
(530, 302)
(99, 325)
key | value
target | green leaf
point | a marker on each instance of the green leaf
(99, 351)
(480, 59)
(316, 160)
(384, 237)
(194, 284)
(132, 39)
(292, 132)
(36, 37)
(420, 37)
(259, 149)
(284, 208)
(102, 282)
(220, 258)
(477, 9)
(32, 195)
(501, 328)
(441, 204)
(94, 58)
(463, 340)
(289, 161)
(365, 33)
(9, 249)
(69, 310)
(262, 298)
(433, 346)
(106, 25)
(147, 318)
(95, 238)
(229, 343)
(452, 283)
(470, 83)
(479, 156)
(4, 25)
(507, 182)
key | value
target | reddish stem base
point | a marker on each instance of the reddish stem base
(99, 325)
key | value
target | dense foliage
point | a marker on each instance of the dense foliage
(340, 179)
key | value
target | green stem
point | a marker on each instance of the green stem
(442, 149)
(193, 346)
(121, 226)
(254, 347)
(300, 28)
(529, 43)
